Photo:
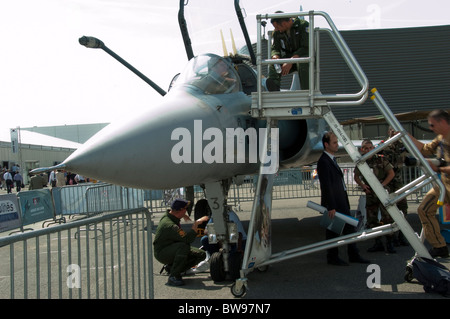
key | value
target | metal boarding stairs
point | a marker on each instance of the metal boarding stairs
(303, 104)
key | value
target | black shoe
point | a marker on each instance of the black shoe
(439, 252)
(337, 262)
(175, 281)
(358, 259)
(390, 248)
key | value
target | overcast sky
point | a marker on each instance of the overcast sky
(48, 78)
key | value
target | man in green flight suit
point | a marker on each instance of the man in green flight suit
(172, 245)
(290, 40)
(384, 172)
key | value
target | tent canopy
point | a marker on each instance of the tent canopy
(401, 117)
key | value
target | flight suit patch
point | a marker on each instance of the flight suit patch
(180, 231)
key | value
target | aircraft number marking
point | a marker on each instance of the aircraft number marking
(216, 204)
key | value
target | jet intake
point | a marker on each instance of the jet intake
(300, 142)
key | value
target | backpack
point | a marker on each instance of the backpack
(434, 276)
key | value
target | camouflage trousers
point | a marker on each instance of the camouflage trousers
(180, 256)
(373, 206)
(403, 206)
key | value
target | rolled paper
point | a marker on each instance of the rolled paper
(323, 210)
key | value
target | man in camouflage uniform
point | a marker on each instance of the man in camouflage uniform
(172, 244)
(290, 40)
(384, 172)
(395, 154)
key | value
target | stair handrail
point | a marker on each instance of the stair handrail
(332, 99)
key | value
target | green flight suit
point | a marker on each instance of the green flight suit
(287, 44)
(172, 246)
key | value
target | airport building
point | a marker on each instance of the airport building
(42, 146)
(410, 68)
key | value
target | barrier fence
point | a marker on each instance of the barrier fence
(53, 205)
(56, 204)
(112, 260)
(105, 253)
(289, 184)
(91, 199)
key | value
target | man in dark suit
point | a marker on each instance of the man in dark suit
(334, 198)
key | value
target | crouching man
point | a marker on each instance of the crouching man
(172, 245)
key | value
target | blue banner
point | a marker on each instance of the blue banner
(36, 206)
(9, 213)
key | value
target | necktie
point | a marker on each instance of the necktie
(335, 161)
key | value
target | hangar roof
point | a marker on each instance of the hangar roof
(33, 138)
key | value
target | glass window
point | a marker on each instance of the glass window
(211, 74)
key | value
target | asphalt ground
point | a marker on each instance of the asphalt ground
(309, 276)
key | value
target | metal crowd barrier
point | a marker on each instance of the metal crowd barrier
(289, 184)
(304, 183)
(91, 199)
(52, 205)
(51, 263)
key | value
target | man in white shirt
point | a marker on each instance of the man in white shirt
(52, 178)
(60, 178)
(8, 180)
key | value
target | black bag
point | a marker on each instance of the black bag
(434, 276)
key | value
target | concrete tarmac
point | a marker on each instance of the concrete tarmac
(309, 276)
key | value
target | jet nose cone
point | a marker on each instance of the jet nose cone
(123, 152)
(138, 153)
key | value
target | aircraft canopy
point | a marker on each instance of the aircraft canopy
(211, 74)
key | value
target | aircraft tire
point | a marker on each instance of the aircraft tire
(216, 267)
(263, 268)
(239, 293)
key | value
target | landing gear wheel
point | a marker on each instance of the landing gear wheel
(216, 267)
(263, 268)
(238, 292)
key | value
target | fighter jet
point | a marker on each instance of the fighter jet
(201, 132)
(204, 133)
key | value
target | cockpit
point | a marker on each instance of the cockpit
(210, 73)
